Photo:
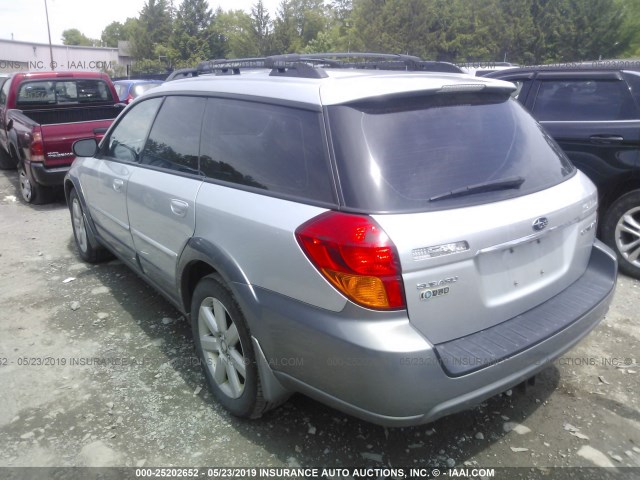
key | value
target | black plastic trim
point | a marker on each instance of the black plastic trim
(50, 177)
(579, 75)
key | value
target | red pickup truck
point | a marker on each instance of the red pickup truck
(41, 115)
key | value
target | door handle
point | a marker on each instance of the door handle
(606, 139)
(117, 184)
(179, 208)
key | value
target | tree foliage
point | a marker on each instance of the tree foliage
(630, 37)
(190, 34)
(116, 31)
(261, 28)
(73, 36)
(153, 29)
(518, 31)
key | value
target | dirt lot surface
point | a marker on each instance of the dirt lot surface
(96, 369)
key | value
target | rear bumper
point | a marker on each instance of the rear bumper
(49, 177)
(377, 367)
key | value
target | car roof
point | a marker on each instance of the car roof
(134, 81)
(578, 67)
(335, 87)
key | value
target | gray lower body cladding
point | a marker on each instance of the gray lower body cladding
(381, 369)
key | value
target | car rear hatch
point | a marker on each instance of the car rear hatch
(488, 216)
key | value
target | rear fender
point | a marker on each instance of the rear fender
(207, 258)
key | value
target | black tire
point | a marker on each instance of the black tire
(226, 355)
(87, 246)
(621, 231)
(6, 161)
(31, 191)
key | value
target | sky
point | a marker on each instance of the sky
(25, 20)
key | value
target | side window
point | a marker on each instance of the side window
(174, 140)
(633, 79)
(127, 139)
(271, 147)
(583, 100)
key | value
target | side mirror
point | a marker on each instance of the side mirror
(87, 147)
(10, 125)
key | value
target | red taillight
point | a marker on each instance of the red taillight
(129, 99)
(37, 146)
(356, 256)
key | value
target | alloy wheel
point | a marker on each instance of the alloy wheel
(78, 225)
(627, 236)
(221, 347)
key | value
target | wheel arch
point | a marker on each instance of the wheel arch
(72, 183)
(200, 258)
(616, 190)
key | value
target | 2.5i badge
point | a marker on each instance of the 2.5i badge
(438, 288)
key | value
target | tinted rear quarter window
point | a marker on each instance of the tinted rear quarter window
(394, 156)
(270, 147)
(583, 100)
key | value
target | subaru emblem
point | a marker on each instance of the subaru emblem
(540, 223)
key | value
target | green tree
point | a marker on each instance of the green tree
(237, 29)
(594, 30)
(116, 31)
(73, 36)
(630, 30)
(285, 36)
(262, 28)
(217, 39)
(153, 28)
(297, 23)
(112, 33)
(190, 31)
(342, 9)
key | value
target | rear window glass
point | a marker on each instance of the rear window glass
(270, 147)
(60, 92)
(396, 155)
(584, 100)
(138, 90)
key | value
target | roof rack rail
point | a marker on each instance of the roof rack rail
(312, 65)
(379, 61)
(230, 66)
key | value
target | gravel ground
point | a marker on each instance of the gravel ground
(116, 383)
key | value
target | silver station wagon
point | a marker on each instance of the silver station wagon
(397, 243)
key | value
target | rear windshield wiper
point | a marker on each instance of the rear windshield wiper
(504, 184)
